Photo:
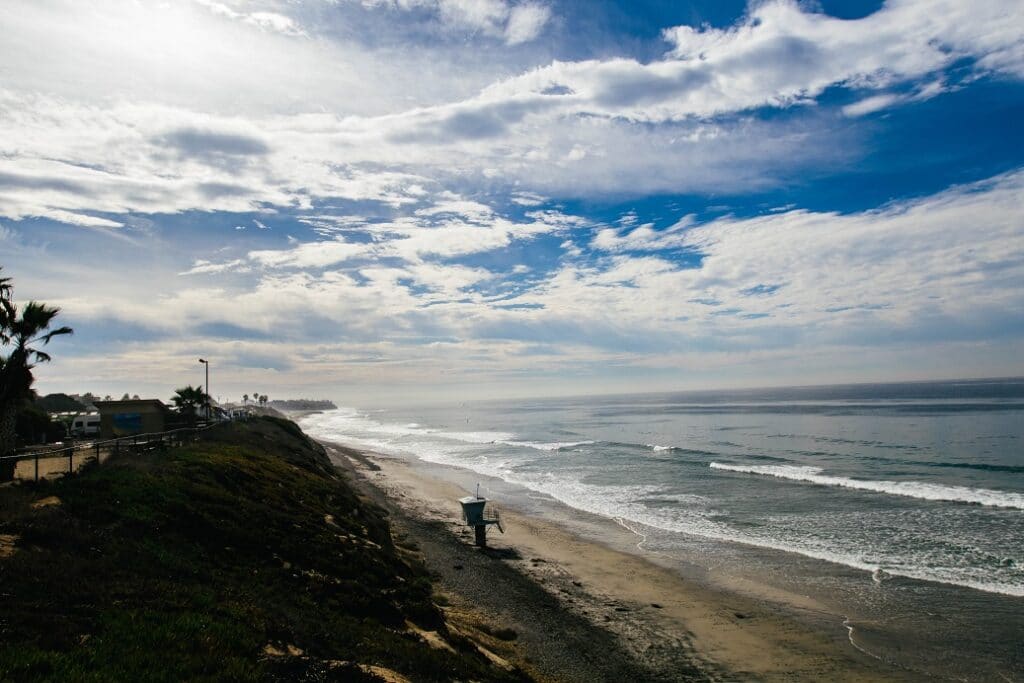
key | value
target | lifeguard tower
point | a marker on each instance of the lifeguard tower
(478, 514)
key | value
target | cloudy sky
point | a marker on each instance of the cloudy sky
(381, 200)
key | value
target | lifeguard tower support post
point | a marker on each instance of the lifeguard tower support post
(477, 515)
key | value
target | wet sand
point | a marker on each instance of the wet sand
(583, 610)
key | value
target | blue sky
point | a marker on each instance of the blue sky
(382, 200)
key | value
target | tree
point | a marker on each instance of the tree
(188, 400)
(245, 399)
(35, 426)
(126, 397)
(24, 332)
(263, 400)
(59, 403)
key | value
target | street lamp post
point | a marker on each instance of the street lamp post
(207, 364)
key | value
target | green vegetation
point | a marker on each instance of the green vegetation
(24, 332)
(188, 400)
(34, 426)
(59, 403)
(243, 556)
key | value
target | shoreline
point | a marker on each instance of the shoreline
(676, 627)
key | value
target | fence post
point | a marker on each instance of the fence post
(37, 468)
(71, 460)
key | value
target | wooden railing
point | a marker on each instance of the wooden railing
(95, 450)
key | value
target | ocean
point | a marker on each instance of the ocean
(901, 497)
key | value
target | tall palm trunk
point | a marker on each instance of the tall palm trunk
(8, 435)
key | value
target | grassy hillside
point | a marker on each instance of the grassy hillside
(244, 556)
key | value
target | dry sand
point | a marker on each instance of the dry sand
(583, 611)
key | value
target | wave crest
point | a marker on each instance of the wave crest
(909, 489)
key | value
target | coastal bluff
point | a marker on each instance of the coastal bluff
(245, 555)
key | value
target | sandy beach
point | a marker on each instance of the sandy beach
(583, 610)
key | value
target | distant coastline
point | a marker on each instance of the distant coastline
(301, 404)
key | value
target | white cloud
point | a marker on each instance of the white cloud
(268, 21)
(309, 254)
(947, 265)
(951, 257)
(203, 267)
(527, 199)
(779, 55)
(870, 105)
(525, 22)
(78, 219)
(931, 278)
(182, 55)
(569, 128)
(515, 23)
(449, 228)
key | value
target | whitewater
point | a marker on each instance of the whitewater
(923, 480)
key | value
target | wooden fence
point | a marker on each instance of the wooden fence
(28, 464)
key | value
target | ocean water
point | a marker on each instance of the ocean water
(917, 480)
(900, 507)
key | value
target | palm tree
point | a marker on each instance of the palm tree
(263, 400)
(245, 399)
(25, 332)
(5, 295)
(187, 400)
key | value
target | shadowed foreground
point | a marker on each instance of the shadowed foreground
(243, 556)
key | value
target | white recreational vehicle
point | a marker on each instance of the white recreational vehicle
(86, 425)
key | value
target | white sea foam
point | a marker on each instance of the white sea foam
(910, 489)
(626, 505)
(472, 437)
(642, 508)
(546, 446)
(350, 423)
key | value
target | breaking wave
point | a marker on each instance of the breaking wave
(909, 489)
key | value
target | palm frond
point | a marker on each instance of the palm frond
(40, 356)
(50, 335)
(21, 330)
(36, 317)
